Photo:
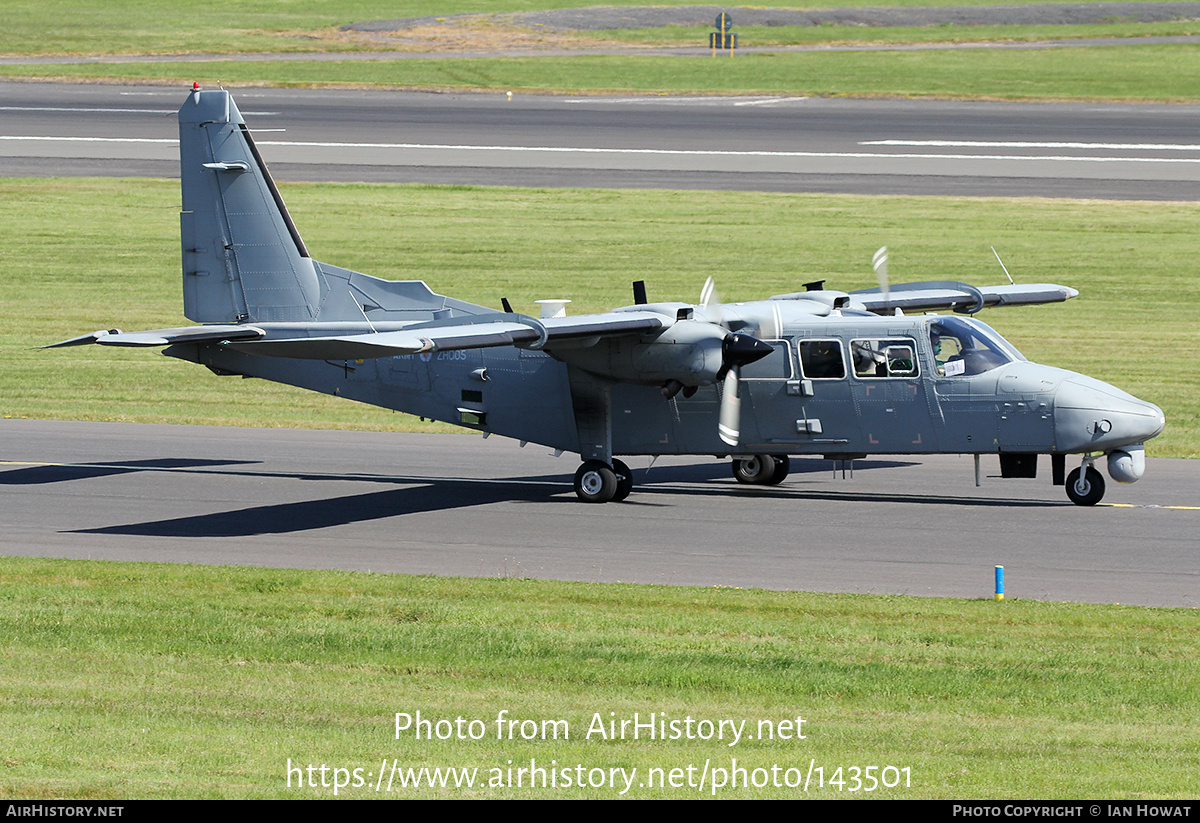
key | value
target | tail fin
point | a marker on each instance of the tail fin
(243, 259)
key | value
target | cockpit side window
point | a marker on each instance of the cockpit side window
(962, 348)
(885, 358)
(775, 366)
(822, 359)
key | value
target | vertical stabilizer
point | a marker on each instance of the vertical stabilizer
(242, 256)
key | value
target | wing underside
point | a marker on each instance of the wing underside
(942, 295)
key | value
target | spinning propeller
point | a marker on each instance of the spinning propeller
(737, 350)
(879, 262)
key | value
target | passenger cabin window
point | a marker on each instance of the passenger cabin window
(822, 359)
(885, 358)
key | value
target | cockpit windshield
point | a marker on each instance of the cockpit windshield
(966, 347)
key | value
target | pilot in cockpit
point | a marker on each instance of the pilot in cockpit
(947, 352)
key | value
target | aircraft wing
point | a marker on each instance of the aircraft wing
(504, 330)
(163, 337)
(279, 340)
(939, 295)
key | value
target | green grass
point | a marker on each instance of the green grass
(829, 33)
(1163, 73)
(1153, 73)
(83, 254)
(220, 26)
(134, 680)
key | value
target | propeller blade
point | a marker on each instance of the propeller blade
(879, 261)
(730, 421)
(710, 304)
(737, 350)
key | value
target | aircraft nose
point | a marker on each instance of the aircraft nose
(1093, 416)
(1158, 420)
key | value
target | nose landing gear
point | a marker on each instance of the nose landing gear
(1085, 485)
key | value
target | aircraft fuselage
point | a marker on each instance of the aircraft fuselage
(836, 385)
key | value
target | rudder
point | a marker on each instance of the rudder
(243, 259)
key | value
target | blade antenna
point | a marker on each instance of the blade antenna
(1001, 262)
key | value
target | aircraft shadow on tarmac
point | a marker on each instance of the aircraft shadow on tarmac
(310, 515)
(62, 472)
(428, 494)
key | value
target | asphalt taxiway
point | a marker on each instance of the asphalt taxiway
(770, 143)
(461, 505)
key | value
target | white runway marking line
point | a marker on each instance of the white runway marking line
(51, 139)
(687, 101)
(1017, 144)
(117, 111)
(772, 101)
(661, 152)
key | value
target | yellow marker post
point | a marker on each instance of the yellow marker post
(721, 39)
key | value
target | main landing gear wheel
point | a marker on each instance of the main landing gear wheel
(783, 465)
(761, 469)
(1085, 489)
(624, 481)
(595, 482)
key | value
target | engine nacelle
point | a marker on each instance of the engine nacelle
(688, 352)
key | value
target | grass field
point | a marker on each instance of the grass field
(830, 34)
(1162, 73)
(228, 26)
(102, 253)
(125, 680)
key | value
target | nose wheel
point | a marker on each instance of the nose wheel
(1085, 488)
(598, 482)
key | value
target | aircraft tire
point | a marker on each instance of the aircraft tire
(595, 482)
(624, 481)
(1087, 493)
(783, 465)
(755, 470)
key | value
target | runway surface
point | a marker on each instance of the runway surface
(752, 143)
(461, 505)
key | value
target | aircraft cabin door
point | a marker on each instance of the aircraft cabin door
(820, 413)
(764, 387)
(897, 410)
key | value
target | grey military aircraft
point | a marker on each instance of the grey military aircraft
(816, 372)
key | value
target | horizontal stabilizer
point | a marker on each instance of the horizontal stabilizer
(163, 337)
